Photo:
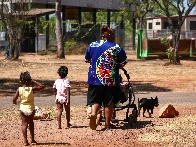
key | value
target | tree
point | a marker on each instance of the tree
(13, 21)
(142, 8)
(59, 36)
(183, 8)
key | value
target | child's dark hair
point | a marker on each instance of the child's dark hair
(25, 77)
(62, 71)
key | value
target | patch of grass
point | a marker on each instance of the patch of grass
(179, 131)
(50, 51)
(13, 113)
(73, 48)
(9, 114)
(69, 49)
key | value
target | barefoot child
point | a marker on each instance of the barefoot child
(62, 93)
(26, 103)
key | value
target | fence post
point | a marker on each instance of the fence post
(191, 48)
(139, 44)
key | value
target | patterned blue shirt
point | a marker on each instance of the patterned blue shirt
(105, 59)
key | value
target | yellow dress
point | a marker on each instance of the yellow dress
(26, 95)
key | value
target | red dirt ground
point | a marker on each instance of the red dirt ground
(147, 76)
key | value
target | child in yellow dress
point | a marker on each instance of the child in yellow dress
(26, 103)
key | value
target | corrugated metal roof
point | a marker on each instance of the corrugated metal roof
(36, 12)
(101, 4)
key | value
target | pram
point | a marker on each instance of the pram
(126, 90)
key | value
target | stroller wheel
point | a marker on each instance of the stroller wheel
(133, 117)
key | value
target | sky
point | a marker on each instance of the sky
(194, 9)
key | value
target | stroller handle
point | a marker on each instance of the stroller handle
(126, 74)
(130, 86)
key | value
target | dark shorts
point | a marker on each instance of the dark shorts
(103, 95)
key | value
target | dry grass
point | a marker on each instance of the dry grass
(178, 132)
(13, 113)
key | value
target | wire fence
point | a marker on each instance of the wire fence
(152, 34)
(89, 33)
(84, 34)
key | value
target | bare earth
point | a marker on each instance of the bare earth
(149, 77)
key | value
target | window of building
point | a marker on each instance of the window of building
(166, 25)
(158, 23)
(150, 25)
(175, 23)
(192, 25)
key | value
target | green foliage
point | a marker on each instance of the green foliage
(93, 27)
(70, 44)
(43, 24)
(101, 16)
(171, 9)
(170, 50)
(52, 25)
(165, 41)
(87, 17)
(72, 47)
(170, 54)
(140, 9)
(183, 9)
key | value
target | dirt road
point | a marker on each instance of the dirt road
(182, 98)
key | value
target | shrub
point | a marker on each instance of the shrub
(72, 47)
(170, 53)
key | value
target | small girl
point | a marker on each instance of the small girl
(62, 93)
(26, 103)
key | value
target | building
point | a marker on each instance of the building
(159, 27)
(71, 10)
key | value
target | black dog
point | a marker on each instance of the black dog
(147, 104)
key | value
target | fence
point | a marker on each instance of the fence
(90, 32)
(146, 46)
(84, 34)
(151, 34)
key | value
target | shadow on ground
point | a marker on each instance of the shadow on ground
(123, 125)
(137, 125)
(8, 87)
(54, 143)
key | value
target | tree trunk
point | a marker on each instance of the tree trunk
(12, 41)
(173, 39)
(17, 49)
(177, 40)
(59, 36)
